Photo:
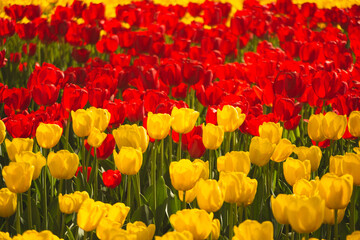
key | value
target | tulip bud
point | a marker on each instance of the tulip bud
(334, 125)
(82, 122)
(313, 154)
(8, 203)
(2, 131)
(315, 127)
(35, 159)
(48, 135)
(230, 118)
(158, 125)
(18, 176)
(295, 170)
(282, 150)
(261, 150)
(252, 230)
(129, 160)
(184, 174)
(353, 124)
(96, 138)
(184, 119)
(271, 131)
(101, 117)
(235, 161)
(63, 164)
(210, 197)
(213, 136)
(18, 145)
(131, 136)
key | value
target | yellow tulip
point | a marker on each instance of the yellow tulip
(190, 195)
(196, 221)
(131, 136)
(329, 216)
(63, 164)
(118, 212)
(312, 153)
(158, 125)
(184, 119)
(70, 203)
(305, 214)
(213, 136)
(354, 236)
(282, 150)
(129, 160)
(235, 161)
(82, 122)
(307, 188)
(141, 230)
(35, 159)
(18, 145)
(295, 170)
(101, 117)
(204, 168)
(210, 196)
(48, 135)
(2, 131)
(261, 150)
(253, 230)
(353, 123)
(8, 203)
(184, 174)
(336, 191)
(334, 125)
(315, 127)
(271, 131)
(106, 224)
(90, 214)
(96, 138)
(5, 236)
(230, 118)
(185, 235)
(336, 165)
(279, 207)
(215, 230)
(115, 233)
(351, 165)
(18, 176)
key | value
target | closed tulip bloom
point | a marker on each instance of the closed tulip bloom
(279, 207)
(248, 192)
(354, 236)
(253, 230)
(18, 176)
(101, 117)
(8, 203)
(131, 136)
(282, 150)
(305, 214)
(261, 150)
(48, 135)
(336, 165)
(184, 119)
(2, 131)
(158, 125)
(129, 160)
(190, 195)
(118, 212)
(33, 234)
(63, 164)
(336, 191)
(184, 174)
(213, 136)
(307, 188)
(353, 124)
(295, 170)
(82, 122)
(18, 145)
(5, 236)
(90, 214)
(334, 125)
(210, 196)
(106, 224)
(351, 165)
(312, 153)
(70, 203)
(96, 138)
(204, 168)
(235, 161)
(35, 159)
(215, 230)
(185, 235)
(141, 230)
(329, 216)
(196, 221)
(230, 118)
(271, 131)
(315, 127)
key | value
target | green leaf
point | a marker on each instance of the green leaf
(69, 234)
(143, 214)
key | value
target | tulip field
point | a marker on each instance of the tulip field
(179, 120)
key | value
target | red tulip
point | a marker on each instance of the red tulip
(117, 110)
(108, 44)
(192, 72)
(152, 99)
(45, 94)
(7, 28)
(287, 111)
(326, 84)
(196, 147)
(26, 31)
(3, 60)
(16, 100)
(15, 11)
(46, 74)
(170, 73)
(105, 149)
(90, 34)
(95, 12)
(32, 12)
(135, 110)
(78, 7)
(80, 55)
(111, 178)
(80, 169)
(19, 125)
(73, 98)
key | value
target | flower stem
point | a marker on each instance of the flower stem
(153, 173)
(231, 220)
(96, 176)
(352, 209)
(137, 189)
(287, 231)
(44, 198)
(84, 168)
(210, 163)
(336, 227)
(18, 209)
(29, 208)
(183, 203)
(162, 157)
(328, 235)
(128, 196)
(179, 147)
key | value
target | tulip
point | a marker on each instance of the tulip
(101, 117)
(260, 151)
(333, 125)
(118, 212)
(63, 164)
(271, 131)
(353, 124)
(196, 221)
(184, 235)
(336, 165)
(184, 119)
(313, 154)
(106, 224)
(204, 168)
(282, 150)
(253, 230)
(295, 170)
(351, 165)
(354, 236)
(131, 136)
(90, 214)
(230, 118)
(48, 135)
(70, 203)
(235, 161)
(336, 191)
(141, 230)
(128, 160)
(35, 159)
(18, 145)
(307, 188)
(96, 138)
(184, 174)
(82, 122)
(190, 195)
(215, 230)
(114, 232)
(305, 214)
(315, 128)
(18, 176)
(111, 178)
(213, 136)
(158, 125)
(329, 216)
(2, 131)
(6, 236)
(279, 207)
(8, 203)
(209, 197)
